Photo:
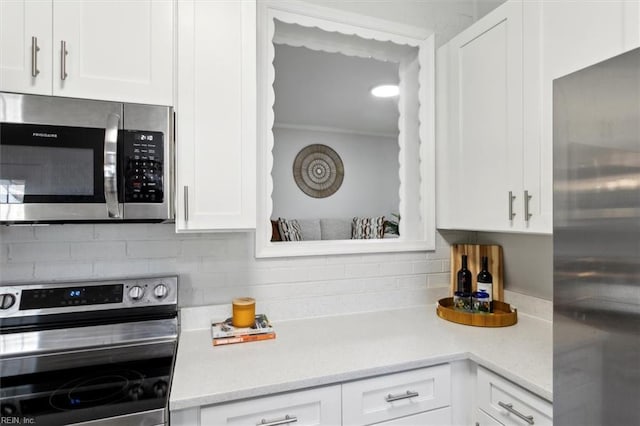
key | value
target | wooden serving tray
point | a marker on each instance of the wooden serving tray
(503, 314)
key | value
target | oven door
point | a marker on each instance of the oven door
(117, 385)
(58, 159)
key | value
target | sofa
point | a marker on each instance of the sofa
(328, 229)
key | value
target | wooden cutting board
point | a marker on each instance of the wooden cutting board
(474, 254)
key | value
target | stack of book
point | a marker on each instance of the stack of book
(224, 333)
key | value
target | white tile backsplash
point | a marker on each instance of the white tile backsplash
(213, 268)
(98, 250)
(530, 305)
(38, 251)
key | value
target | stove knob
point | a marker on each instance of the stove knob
(136, 292)
(8, 410)
(160, 388)
(135, 392)
(7, 300)
(160, 291)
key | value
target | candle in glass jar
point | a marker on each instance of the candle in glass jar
(244, 312)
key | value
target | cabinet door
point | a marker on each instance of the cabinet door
(441, 417)
(315, 407)
(561, 37)
(485, 116)
(120, 51)
(25, 46)
(216, 110)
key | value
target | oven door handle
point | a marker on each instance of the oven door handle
(111, 165)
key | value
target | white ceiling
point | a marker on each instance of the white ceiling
(330, 90)
(445, 18)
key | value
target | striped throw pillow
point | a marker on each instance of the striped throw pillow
(365, 228)
(289, 229)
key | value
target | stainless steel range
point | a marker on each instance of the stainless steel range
(89, 353)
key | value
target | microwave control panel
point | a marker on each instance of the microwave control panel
(143, 166)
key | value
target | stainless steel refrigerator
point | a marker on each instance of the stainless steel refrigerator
(596, 242)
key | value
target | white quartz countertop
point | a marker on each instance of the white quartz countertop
(319, 351)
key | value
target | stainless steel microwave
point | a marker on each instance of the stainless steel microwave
(76, 160)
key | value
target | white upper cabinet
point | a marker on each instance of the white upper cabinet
(120, 51)
(216, 115)
(480, 142)
(25, 46)
(115, 50)
(561, 37)
(495, 130)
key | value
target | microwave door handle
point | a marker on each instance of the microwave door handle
(110, 165)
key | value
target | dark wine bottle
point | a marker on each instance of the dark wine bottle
(464, 277)
(485, 281)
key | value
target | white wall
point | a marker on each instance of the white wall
(527, 259)
(215, 268)
(371, 179)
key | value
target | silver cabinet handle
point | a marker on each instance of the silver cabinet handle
(186, 203)
(110, 165)
(63, 60)
(511, 198)
(527, 215)
(287, 419)
(34, 57)
(509, 408)
(408, 394)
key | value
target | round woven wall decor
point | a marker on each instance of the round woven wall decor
(318, 171)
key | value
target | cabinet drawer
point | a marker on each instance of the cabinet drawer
(312, 407)
(391, 396)
(439, 417)
(483, 419)
(503, 400)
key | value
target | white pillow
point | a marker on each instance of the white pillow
(365, 228)
(289, 230)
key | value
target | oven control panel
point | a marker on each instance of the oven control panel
(23, 299)
(40, 298)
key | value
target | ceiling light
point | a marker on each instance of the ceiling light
(385, 91)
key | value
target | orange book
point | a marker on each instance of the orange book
(243, 338)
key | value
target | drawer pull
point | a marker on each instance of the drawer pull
(409, 394)
(287, 419)
(509, 408)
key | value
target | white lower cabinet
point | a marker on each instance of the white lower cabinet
(508, 403)
(410, 398)
(415, 397)
(313, 407)
(395, 396)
